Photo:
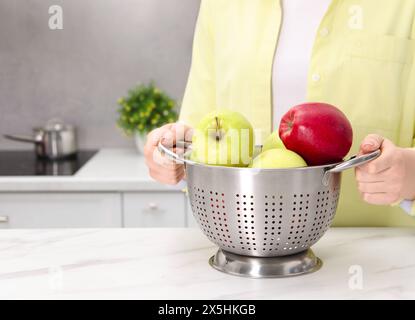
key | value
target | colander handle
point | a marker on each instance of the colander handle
(355, 161)
(174, 156)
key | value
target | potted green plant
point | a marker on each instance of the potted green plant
(145, 108)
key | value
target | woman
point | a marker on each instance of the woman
(262, 57)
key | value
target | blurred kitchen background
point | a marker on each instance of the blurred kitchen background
(77, 75)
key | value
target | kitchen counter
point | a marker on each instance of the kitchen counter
(172, 264)
(109, 170)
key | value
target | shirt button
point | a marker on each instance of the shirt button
(316, 77)
(324, 32)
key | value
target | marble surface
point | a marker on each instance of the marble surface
(172, 264)
(108, 170)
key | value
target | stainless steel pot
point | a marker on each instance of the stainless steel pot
(54, 141)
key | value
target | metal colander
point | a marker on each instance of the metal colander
(264, 212)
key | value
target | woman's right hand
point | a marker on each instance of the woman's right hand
(161, 168)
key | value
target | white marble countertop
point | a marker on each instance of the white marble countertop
(172, 264)
(108, 170)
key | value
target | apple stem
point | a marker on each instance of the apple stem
(217, 129)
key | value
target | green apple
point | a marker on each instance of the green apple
(223, 138)
(278, 159)
(273, 142)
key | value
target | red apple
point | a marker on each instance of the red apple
(318, 132)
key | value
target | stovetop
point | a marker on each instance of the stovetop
(25, 163)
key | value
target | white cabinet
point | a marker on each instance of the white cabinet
(95, 210)
(60, 210)
(154, 210)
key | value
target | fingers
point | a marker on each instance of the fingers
(156, 135)
(170, 177)
(166, 179)
(380, 181)
(384, 162)
(380, 198)
(383, 188)
(165, 134)
(366, 177)
(371, 143)
(160, 167)
(159, 160)
(188, 134)
(377, 187)
(164, 170)
(177, 132)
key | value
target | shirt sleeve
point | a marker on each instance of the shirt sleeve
(408, 207)
(199, 98)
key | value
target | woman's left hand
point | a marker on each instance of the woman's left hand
(389, 178)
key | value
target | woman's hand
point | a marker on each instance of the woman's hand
(161, 168)
(389, 178)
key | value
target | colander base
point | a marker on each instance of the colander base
(274, 267)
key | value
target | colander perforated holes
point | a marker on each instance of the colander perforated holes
(273, 204)
(322, 215)
(279, 222)
(213, 222)
(332, 201)
(298, 221)
(246, 220)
